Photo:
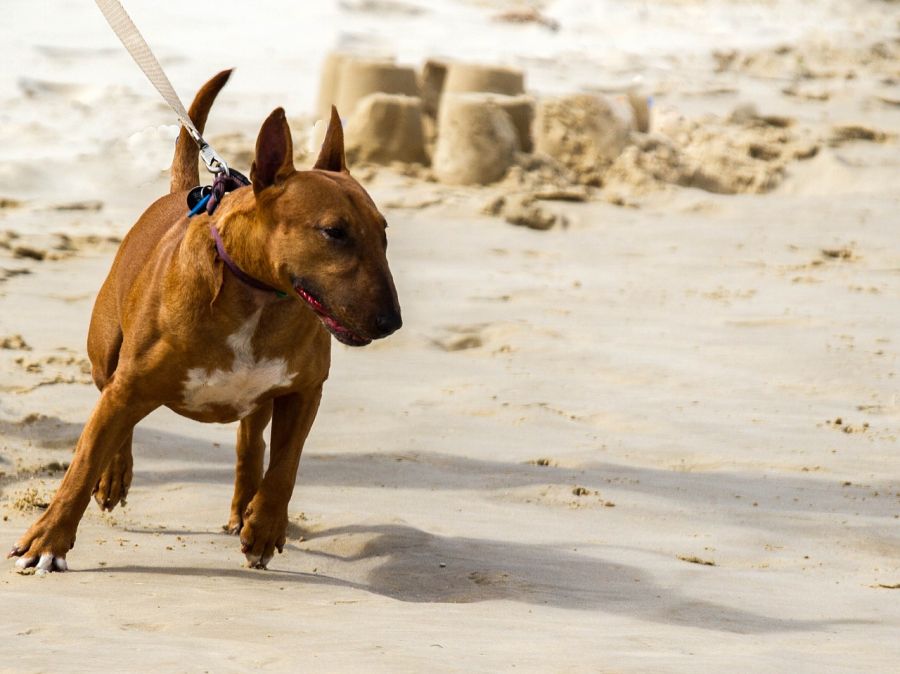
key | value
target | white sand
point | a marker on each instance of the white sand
(678, 360)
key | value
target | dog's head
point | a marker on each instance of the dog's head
(325, 236)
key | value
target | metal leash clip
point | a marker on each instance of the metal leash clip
(214, 163)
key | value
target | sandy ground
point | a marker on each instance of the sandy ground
(661, 439)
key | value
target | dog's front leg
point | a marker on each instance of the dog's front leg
(248, 472)
(265, 519)
(48, 540)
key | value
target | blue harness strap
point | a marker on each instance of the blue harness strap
(201, 205)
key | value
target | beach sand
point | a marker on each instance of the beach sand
(662, 438)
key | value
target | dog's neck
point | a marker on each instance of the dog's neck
(242, 240)
(236, 270)
(243, 237)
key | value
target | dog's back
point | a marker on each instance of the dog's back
(105, 334)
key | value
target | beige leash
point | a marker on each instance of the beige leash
(134, 42)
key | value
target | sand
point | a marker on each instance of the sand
(662, 438)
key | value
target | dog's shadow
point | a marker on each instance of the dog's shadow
(411, 565)
(417, 566)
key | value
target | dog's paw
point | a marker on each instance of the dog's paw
(257, 562)
(115, 481)
(262, 533)
(235, 523)
(43, 548)
(236, 518)
(46, 563)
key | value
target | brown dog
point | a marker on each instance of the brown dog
(174, 326)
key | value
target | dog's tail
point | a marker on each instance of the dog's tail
(185, 174)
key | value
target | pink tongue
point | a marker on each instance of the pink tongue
(320, 310)
(333, 324)
(311, 300)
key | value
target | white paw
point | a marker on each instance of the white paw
(257, 561)
(44, 564)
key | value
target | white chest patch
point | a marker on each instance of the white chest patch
(241, 385)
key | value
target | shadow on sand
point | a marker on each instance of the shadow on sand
(408, 567)
(412, 565)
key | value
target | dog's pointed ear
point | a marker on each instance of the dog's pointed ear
(274, 152)
(331, 157)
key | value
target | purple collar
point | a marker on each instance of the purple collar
(237, 271)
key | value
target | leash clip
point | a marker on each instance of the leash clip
(214, 163)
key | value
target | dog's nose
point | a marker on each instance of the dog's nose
(388, 323)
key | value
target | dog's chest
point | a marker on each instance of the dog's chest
(240, 385)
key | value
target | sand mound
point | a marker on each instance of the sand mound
(476, 143)
(747, 153)
(357, 78)
(431, 85)
(475, 77)
(653, 163)
(521, 112)
(328, 83)
(386, 128)
(584, 132)
(484, 125)
(640, 108)
(543, 177)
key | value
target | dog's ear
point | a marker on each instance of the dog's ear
(331, 157)
(274, 152)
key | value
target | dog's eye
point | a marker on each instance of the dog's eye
(334, 233)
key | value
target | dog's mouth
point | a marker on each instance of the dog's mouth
(341, 332)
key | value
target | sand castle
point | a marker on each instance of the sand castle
(468, 121)
(476, 124)
(385, 128)
(476, 140)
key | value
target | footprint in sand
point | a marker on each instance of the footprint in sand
(39, 430)
(571, 496)
(845, 133)
(497, 337)
(14, 343)
(53, 368)
(460, 337)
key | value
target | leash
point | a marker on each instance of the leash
(134, 42)
(227, 180)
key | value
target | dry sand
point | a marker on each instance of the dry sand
(663, 438)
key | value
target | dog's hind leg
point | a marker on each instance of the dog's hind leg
(115, 481)
(104, 343)
(104, 335)
(248, 472)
